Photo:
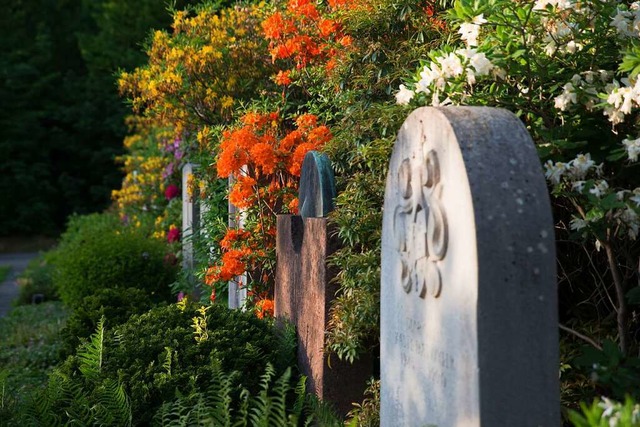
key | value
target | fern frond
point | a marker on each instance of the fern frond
(321, 413)
(167, 360)
(111, 405)
(90, 353)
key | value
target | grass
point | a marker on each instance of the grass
(4, 272)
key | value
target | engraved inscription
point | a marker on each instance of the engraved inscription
(420, 226)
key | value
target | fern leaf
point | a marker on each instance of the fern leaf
(90, 353)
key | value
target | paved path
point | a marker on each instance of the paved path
(9, 288)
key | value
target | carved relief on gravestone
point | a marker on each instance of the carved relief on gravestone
(468, 327)
(420, 224)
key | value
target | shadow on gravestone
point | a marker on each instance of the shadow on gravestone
(469, 332)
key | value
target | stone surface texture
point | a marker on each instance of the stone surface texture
(317, 186)
(468, 295)
(303, 294)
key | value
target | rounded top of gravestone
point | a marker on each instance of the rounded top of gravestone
(317, 186)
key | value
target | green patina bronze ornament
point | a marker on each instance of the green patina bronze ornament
(317, 186)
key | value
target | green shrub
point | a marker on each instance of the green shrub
(37, 279)
(115, 305)
(176, 349)
(97, 253)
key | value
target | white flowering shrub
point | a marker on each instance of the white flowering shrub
(569, 69)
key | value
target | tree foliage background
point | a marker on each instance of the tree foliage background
(61, 120)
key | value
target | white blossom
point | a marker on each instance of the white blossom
(481, 64)
(600, 188)
(404, 95)
(469, 31)
(615, 115)
(581, 164)
(578, 186)
(554, 171)
(578, 224)
(621, 22)
(498, 73)
(567, 97)
(451, 65)
(620, 195)
(636, 197)
(633, 148)
(558, 4)
(428, 76)
(573, 47)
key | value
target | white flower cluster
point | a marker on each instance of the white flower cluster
(585, 83)
(621, 99)
(467, 63)
(627, 22)
(576, 170)
(469, 31)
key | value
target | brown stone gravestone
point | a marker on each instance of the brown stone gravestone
(304, 291)
(469, 332)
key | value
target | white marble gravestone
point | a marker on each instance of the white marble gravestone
(468, 294)
(190, 218)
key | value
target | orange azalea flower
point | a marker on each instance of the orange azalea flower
(298, 157)
(264, 308)
(293, 206)
(244, 137)
(254, 119)
(346, 41)
(211, 276)
(233, 235)
(283, 79)
(327, 27)
(242, 193)
(306, 122)
(264, 157)
(230, 160)
(304, 8)
(292, 139)
(273, 26)
(232, 265)
(330, 65)
(319, 136)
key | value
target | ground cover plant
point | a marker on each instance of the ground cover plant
(174, 350)
(37, 280)
(28, 351)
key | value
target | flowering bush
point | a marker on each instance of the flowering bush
(196, 74)
(265, 160)
(304, 34)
